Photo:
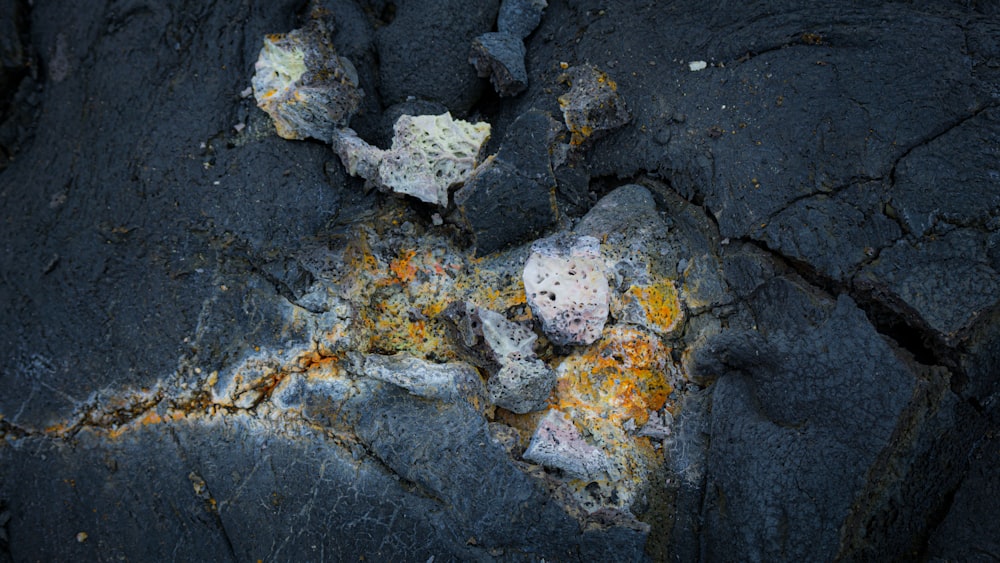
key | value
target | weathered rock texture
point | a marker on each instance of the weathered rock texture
(208, 333)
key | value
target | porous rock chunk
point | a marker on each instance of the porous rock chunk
(429, 155)
(567, 288)
(559, 444)
(519, 381)
(301, 82)
(592, 104)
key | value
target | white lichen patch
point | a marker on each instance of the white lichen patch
(567, 289)
(429, 155)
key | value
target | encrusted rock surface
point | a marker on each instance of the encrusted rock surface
(301, 82)
(217, 345)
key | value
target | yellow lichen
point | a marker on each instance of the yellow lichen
(659, 303)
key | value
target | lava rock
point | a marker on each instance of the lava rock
(301, 82)
(508, 199)
(803, 428)
(423, 52)
(520, 17)
(567, 289)
(500, 56)
(942, 283)
(592, 105)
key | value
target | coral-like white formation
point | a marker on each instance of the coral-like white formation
(429, 155)
(558, 443)
(567, 289)
(303, 85)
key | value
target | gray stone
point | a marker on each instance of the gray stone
(520, 17)
(943, 283)
(509, 197)
(500, 56)
(424, 51)
(444, 382)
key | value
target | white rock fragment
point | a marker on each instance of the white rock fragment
(557, 443)
(567, 289)
(697, 65)
(429, 155)
(306, 88)
(518, 380)
(506, 339)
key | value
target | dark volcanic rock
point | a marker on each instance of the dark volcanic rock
(971, 531)
(500, 56)
(424, 51)
(798, 420)
(123, 220)
(520, 17)
(824, 193)
(509, 198)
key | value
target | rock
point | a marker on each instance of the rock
(558, 443)
(567, 289)
(444, 382)
(508, 199)
(429, 155)
(518, 380)
(943, 283)
(804, 428)
(970, 530)
(520, 17)
(592, 105)
(952, 178)
(500, 56)
(847, 409)
(423, 52)
(301, 82)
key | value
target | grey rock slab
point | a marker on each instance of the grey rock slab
(796, 435)
(835, 234)
(509, 197)
(970, 531)
(943, 284)
(953, 178)
(449, 453)
(123, 222)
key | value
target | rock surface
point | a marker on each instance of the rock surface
(217, 345)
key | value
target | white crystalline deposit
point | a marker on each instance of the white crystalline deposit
(567, 289)
(429, 155)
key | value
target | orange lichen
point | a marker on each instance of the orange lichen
(659, 303)
(623, 376)
(403, 267)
